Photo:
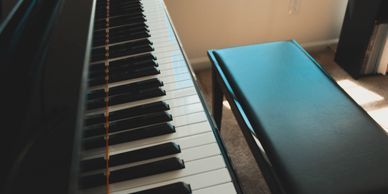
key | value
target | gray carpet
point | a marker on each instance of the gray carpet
(370, 92)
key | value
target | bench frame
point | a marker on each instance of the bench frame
(221, 88)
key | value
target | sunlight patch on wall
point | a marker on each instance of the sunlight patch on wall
(360, 94)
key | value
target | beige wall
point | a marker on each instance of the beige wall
(207, 24)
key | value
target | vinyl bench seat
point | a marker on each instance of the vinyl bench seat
(316, 138)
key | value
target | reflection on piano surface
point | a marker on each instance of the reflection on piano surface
(160, 137)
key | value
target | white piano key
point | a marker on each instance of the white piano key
(172, 65)
(195, 153)
(183, 101)
(174, 71)
(226, 188)
(189, 118)
(178, 85)
(187, 109)
(170, 59)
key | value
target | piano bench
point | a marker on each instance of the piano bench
(314, 138)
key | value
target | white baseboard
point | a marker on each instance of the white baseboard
(320, 45)
(203, 63)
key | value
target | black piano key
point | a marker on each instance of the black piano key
(128, 112)
(121, 21)
(123, 68)
(124, 64)
(100, 34)
(142, 133)
(131, 156)
(174, 188)
(122, 73)
(148, 169)
(121, 36)
(129, 123)
(126, 75)
(99, 52)
(127, 97)
(118, 8)
(119, 11)
(123, 49)
(126, 88)
(129, 173)
(128, 136)
(117, 72)
(115, 4)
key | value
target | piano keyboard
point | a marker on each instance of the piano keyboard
(160, 138)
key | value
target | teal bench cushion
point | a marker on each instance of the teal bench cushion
(317, 138)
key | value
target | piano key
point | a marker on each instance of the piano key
(189, 119)
(117, 11)
(170, 95)
(191, 140)
(168, 51)
(178, 188)
(179, 112)
(155, 151)
(127, 88)
(143, 120)
(188, 154)
(119, 30)
(136, 26)
(186, 136)
(172, 65)
(185, 110)
(153, 168)
(226, 188)
(120, 37)
(118, 4)
(129, 48)
(119, 21)
(170, 59)
(128, 112)
(162, 44)
(119, 14)
(188, 107)
(191, 168)
(129, 135)
(148, 93)
(176, 102)
(178, 85)
(124, 64)
(128, 123)
(164, 79)
(116, 77)
(198, 182)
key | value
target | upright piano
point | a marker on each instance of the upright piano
(90, 80)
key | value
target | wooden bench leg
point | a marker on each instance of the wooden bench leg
(217, 100)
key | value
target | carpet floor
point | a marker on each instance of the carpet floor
(370, 92)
